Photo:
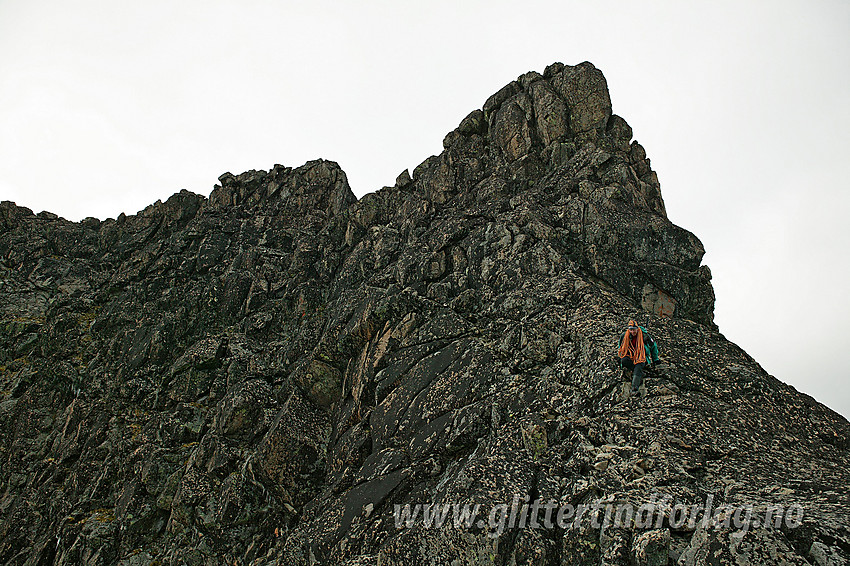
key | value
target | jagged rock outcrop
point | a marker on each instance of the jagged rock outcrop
(263, 376)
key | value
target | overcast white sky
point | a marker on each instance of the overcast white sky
(743, 107)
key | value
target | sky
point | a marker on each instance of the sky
(743, 108)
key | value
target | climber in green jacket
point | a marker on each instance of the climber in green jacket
(637, 351)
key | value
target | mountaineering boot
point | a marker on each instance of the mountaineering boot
(642, 390)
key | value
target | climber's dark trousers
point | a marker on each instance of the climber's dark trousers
(637, 370)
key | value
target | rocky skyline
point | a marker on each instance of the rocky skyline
(109, 107)
(269, 374)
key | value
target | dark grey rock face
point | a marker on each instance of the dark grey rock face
(269, 375)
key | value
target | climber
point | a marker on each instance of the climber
(637, 352)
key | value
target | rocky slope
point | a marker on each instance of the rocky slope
(263, 376)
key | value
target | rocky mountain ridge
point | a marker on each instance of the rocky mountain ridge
(264, 375)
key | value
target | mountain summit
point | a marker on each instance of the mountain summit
(283, 374)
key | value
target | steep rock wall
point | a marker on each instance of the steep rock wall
(260, 377)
